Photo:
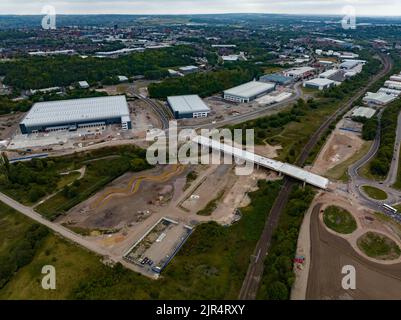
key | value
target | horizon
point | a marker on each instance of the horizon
(363, 8)
(198, 14)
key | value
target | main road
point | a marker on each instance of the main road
(356, 181)
(254, 274)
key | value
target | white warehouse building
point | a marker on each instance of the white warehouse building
(319, 83)
(76, 113)
(393, 92)
(393, 85)
(190, 106)
(248, 91)
(378, 98)
(299, 73)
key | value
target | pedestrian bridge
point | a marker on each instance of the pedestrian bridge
(281, 167)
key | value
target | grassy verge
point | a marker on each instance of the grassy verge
(378, 246)
(339, 220)
(374, 193)
(19, 240)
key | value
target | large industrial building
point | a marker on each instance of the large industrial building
(319, 83)
(393, 85)
(248, 91)
(363, 112)
(77, 113)
(299, 73)
(276, 78)
(379, 98)
(188, 107)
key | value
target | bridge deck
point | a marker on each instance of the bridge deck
(285, 168)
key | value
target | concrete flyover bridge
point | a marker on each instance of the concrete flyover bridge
(280, 167)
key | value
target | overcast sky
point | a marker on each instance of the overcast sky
(363, 7)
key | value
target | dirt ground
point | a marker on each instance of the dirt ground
(143, 118)
(9, 125)
(128, 200)
(331, 251)
(340, 146)
(267, 151)
(133, 203)
(222, 179)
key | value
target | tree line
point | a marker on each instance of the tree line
(278, 276)
(202, 84)
(380, 165)
(44, 72)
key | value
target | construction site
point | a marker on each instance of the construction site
(149, 214)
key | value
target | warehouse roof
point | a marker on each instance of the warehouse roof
(275, 77)
(320, 82)
(329, 73)
(389, 83)
(349, 64)
(364, 112)
(250, 89)
(379, 97)
(187, 104)
(300, 71)
(394, 92)
(76, 110)
(189, 68)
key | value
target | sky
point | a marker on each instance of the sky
(362, 7)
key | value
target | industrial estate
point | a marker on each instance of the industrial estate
(83, 104)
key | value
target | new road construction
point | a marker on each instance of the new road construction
(284, 168)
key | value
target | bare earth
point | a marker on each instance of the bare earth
(340, 146)
(330, 251)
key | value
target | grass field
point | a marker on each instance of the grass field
(293, 136)
(374, 193)
(339, 220)
(365, 173)
(99, 172)
(211, 264)
(339, 172)
(12, 226)
(67, 179)
(378, 246)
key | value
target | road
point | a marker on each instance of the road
(356, 181)
(164, 117)
(392, 175)
(254, 274)
(250, 115)
(66, 233)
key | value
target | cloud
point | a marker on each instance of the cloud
(363, 7)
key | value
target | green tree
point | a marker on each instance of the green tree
(277, 291)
